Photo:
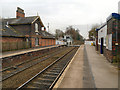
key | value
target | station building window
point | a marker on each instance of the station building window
(36, 41)
(36, 27)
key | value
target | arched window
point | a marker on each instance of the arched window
(36, 27)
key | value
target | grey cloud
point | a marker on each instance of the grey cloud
(61, 13)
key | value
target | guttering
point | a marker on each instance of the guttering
(114, 15)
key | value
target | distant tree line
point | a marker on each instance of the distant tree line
(92, 32)
(69, 31)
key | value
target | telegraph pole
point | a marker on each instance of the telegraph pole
(48, 27)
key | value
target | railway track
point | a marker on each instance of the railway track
(29, 60)
(47, 78)
(11, 71)
(19, 78)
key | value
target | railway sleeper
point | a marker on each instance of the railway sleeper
(40, 86)
(49, 75)
(56, 71)
(52, 73)
(43, 82)
(57, 67)
(46, 79)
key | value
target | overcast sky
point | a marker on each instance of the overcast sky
(63, 13)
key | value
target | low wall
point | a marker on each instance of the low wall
(107, 53)
(11, 60)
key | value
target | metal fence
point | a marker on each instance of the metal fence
(9, 46)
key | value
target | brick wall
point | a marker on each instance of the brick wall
(14, 43)
(50, 42)
(40, 42)
(108, 54)
(96, 41)
(47, 42)
(9, 61)
(33, 42)
(53, 42)
(18, 15)
(118, 47)
(109, 26)
(116, 39)
(43, 42)
(114, 29)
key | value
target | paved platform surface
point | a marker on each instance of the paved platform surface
(105, 75)
(88, 69)
(12, 53)
(72, 76)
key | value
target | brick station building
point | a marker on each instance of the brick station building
(108, 38)
(29, 30)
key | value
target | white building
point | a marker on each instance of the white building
(104, 39)
(102, 33)
(60, 42)
(68, 39)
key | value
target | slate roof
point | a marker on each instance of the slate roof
(45, 34)
(23, 20)
(9, 31)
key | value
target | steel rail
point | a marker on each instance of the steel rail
(20, 87)
(30, 65)
(24, 62)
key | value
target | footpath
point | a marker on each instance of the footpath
(88, 69)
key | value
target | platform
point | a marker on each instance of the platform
(17, 52)
(88, 69)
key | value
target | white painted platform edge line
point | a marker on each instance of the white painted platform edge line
(63, 75)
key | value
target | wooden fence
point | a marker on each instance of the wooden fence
(9, 46)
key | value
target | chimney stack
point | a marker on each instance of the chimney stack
(20, 13)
